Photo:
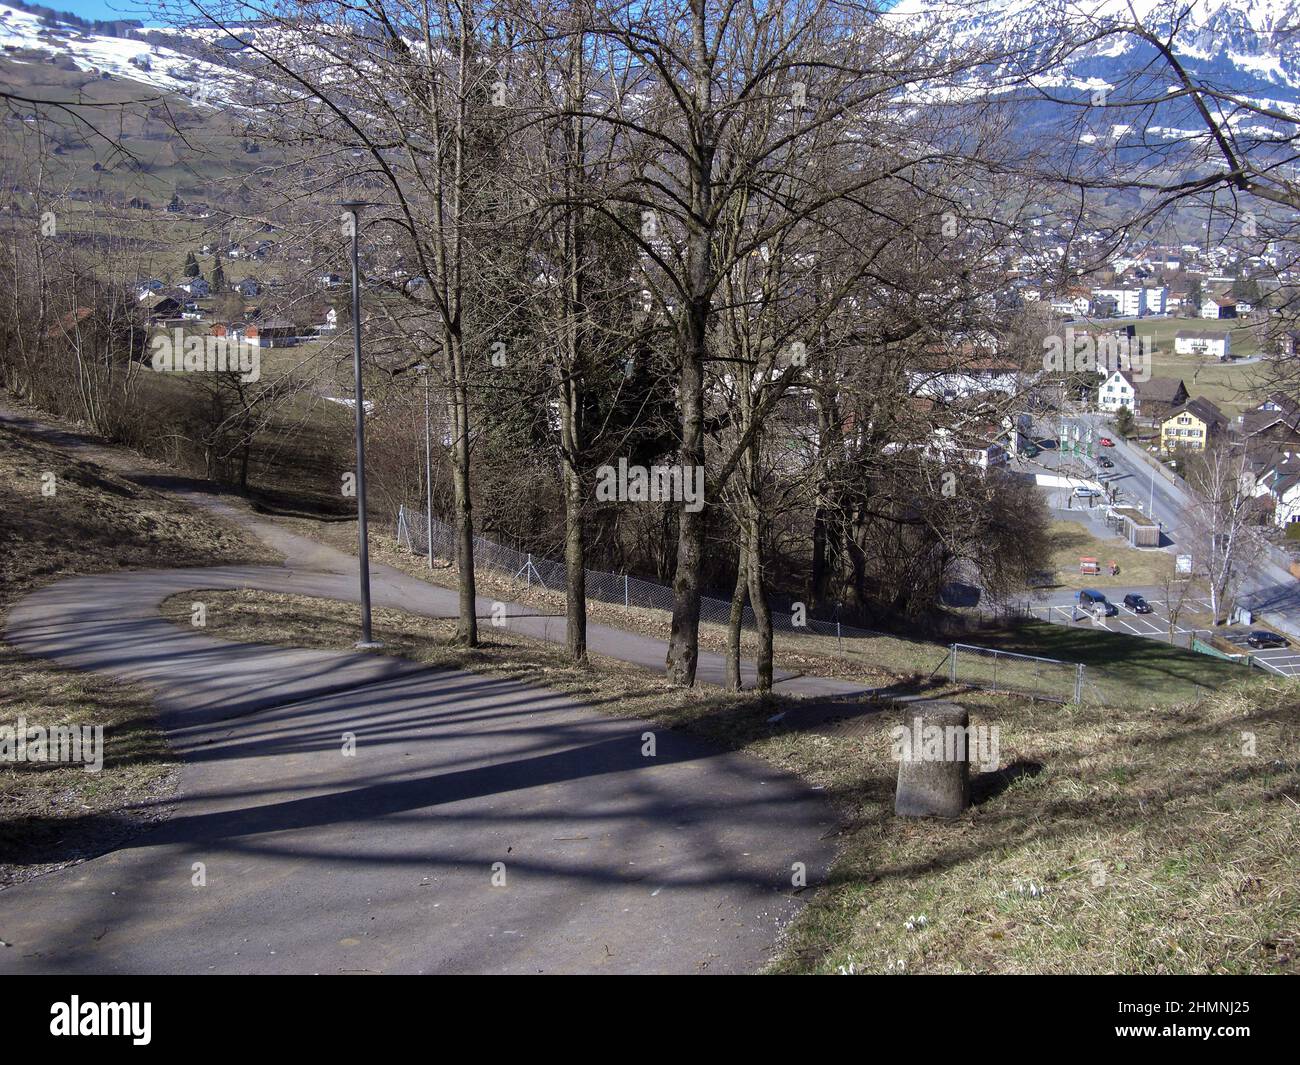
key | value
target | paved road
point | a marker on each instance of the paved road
(1269, 590)
(383, 861)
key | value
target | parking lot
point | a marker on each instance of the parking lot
(1282, 660)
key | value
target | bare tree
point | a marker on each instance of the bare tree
(1223, 520)
(738, 110)
(1176, 588)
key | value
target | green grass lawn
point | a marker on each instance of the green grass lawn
(1071, 541)
(1124, 669)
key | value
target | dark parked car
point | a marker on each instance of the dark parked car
(1106, 464)
(1259, 639)
(1137, 604)
(1090, 599)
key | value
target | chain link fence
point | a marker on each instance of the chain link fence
(415, 529)
(977, 667)
(1043, 678)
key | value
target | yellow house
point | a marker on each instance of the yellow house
(1192, 426)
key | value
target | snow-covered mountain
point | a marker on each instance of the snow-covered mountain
(1251, 47)
(149, 62)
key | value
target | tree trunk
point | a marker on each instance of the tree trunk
(575, 572)
(736, 619)
(467, 627)
(757, 586)
(818, 576)
(684, 641)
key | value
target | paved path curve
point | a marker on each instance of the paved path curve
(383, 861)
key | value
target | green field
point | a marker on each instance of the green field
(1233, 387)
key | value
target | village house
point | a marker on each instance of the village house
(1153, 398)
(1272, 427)
(1203, 342)
(960, 380)
(1073, 303)
(273, 333)
(1219, 307)
(1158, 397)
(1104, 307)
(977, 447)
(1278, 489)
(1118, 390)
(1193, 426)
(160, 307)
(195, 286)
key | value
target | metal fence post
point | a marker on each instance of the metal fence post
(952, 664)
(529, 570)
(1078, 683)
(626, 603)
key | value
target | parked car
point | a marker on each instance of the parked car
(1030, 451)
(1106, 464)
(1137, 604)
(1090, 599)
(1086, 493)
(1260, 638)
(1106, 441)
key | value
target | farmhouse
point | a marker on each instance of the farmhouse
(1203, 342)
(160, 307)
(1219, 307)
(273, 333)
(1152, 398)
(1158, 397)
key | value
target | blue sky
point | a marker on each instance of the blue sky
(103, 9)
(106, 9)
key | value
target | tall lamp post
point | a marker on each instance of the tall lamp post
(423, 370)
(353, 207)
